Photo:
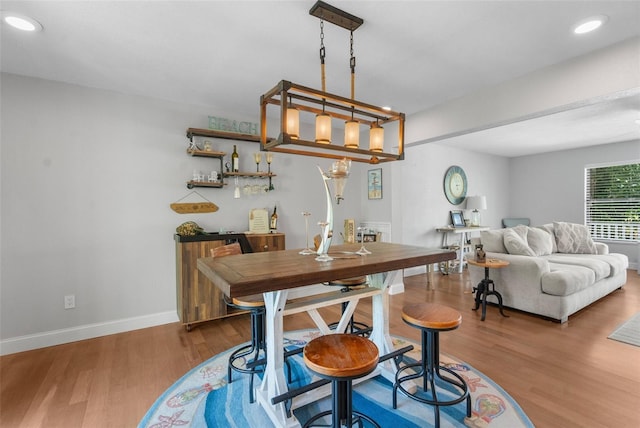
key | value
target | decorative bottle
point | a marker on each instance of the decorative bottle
(273, 224)
(235, 160)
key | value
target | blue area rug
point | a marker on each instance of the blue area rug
(202, 398)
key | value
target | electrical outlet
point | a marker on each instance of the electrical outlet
(70, 301)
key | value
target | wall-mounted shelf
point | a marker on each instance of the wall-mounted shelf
(206, 153)
(249, 174)
(210, 133)
(199, 132)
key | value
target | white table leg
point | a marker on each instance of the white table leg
(274, 382)
(461, 255)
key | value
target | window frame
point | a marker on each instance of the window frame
(617, 231)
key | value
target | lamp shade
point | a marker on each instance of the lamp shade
(376, 138)
(351, 134)
(323, 128)
(476, 203)
(293, 122)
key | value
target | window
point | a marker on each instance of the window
(612, 201)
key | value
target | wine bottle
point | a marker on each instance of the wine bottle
(235, 160)
(273, 225)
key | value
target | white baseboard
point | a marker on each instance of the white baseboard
(89, 331)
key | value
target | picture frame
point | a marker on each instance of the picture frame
(457, 219)
(374, 183)
(369, 237)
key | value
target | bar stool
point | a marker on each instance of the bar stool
(240, 358)
(432, 319)
(346, 286)
(341, 358)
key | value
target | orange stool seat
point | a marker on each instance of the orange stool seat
(341, 358)
(432, 319)
(348, 284)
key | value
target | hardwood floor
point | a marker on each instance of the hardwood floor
(567, 375)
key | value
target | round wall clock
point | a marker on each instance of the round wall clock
(455, 185)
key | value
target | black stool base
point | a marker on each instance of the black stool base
(428, 370)
(342, 413)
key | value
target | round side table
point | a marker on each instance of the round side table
(486, 287)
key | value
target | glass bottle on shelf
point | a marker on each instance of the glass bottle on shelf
(235, 160)
(273, 225)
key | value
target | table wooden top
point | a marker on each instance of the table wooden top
(255, 273)
(489, 263)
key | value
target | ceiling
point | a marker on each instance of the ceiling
(411, 55)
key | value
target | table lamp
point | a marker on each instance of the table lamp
(476, 203)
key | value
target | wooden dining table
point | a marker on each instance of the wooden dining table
(283, 275)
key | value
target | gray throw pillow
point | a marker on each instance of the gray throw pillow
(492, 241)
(539, 241)
(515, 243)
(549, 228)
(573, 238)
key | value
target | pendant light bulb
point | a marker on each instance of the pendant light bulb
(376, 138)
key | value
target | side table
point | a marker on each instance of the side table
(486, 287)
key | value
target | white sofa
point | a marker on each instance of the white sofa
(555, 270)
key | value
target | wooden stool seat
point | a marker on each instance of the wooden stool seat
(341, 358)
(249, 302)
(431, 316)
(349, 282)
(432, 319)
(347, 285)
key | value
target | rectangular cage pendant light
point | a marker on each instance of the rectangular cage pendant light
(307, 100)
(292, 102)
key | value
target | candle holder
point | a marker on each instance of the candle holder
(307, 251)
(322, 251)
(362, 251)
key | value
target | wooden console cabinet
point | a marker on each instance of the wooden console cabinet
(198, 299)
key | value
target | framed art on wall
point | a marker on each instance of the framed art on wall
(374, 183)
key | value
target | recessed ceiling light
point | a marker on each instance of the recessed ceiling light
(387, 108)
(21, 22)
(590, 24)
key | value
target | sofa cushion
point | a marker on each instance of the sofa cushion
(614, 263)
(516, 243)
(540, 241)
(492, 241)
(600, 267)
(564, 279)
(573, 238)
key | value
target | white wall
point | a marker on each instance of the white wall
(87, 177)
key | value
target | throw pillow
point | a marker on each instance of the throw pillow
(492, 241)
(549, 228)
(539, 241)
(573, 238)
(516, 244)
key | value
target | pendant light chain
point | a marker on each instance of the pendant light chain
(352, 64)
(322, 55)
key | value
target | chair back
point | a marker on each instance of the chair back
(511, 222)
(226, 250)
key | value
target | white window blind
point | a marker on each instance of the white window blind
(612, 201)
